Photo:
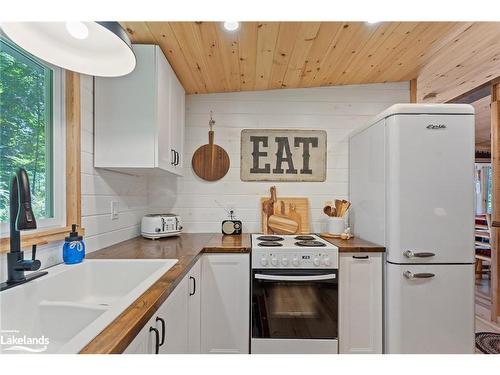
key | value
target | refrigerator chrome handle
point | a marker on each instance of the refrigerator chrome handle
(411, 254)
(423, 275)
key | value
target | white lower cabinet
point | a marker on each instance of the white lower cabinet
(167, 331)
(208, 311)
(194, 309)
(175, 314)
(360, 303)
(225, 303)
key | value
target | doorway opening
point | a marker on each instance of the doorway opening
(486, 102)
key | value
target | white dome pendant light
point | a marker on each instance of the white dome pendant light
(95, 48)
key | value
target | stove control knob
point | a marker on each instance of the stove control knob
(274, 261)
(316, 261)
(295, 261)
(263, 261)
(284, 261)
(326, 261)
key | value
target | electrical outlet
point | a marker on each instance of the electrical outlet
(115, 210)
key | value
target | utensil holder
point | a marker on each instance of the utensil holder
(336, 225)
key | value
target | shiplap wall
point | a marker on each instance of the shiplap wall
(100, 187)
(338, 110)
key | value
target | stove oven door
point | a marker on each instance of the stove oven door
(294, 305)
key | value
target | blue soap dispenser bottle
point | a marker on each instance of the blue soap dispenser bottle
(74, 247)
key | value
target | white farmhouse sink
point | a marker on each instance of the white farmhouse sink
(73, 303)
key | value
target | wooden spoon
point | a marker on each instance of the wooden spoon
(338, 207)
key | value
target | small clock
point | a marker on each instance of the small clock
(231, 227)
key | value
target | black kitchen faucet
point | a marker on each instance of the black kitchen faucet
(21, 218)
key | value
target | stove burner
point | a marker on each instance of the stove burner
(270, 238)
(270, 244)
(304, 238)
(310, 243)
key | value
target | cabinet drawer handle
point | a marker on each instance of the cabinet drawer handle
(194, 286)
(172, 153)
(157, 339)
(176, 157)
(360, 256)
(411, 254)
(158, 319)
(423, 275)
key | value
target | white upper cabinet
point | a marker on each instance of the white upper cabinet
(139, 118)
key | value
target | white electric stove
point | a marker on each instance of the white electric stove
(294, 294)
(293, 251)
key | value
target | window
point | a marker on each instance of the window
(32, 133)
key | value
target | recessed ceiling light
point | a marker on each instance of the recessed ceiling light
(77, 30)
(372, 22)
(231, 25)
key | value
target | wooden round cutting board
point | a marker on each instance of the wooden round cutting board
(210, 162)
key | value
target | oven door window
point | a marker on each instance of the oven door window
(293, 304)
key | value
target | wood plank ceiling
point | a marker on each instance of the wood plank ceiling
(448, 58)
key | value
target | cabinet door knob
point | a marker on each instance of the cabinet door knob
(158, 319)
(157, 339)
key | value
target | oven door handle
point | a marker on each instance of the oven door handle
(328, 276)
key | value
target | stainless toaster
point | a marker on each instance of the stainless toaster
(155, 226)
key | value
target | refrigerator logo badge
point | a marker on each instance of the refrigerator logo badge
(436, 126)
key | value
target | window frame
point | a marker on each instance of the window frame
(57, 146)
(72, 126)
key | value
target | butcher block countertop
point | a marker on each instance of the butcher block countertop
(355, 245)
(187, 248)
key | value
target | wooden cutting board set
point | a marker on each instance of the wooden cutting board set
(284, 215)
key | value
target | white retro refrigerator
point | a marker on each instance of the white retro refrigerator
(411, 183)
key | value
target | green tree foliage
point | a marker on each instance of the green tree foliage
(25, 123)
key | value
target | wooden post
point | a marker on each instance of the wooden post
(73, 184)
(495, 230)
(413, 90)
